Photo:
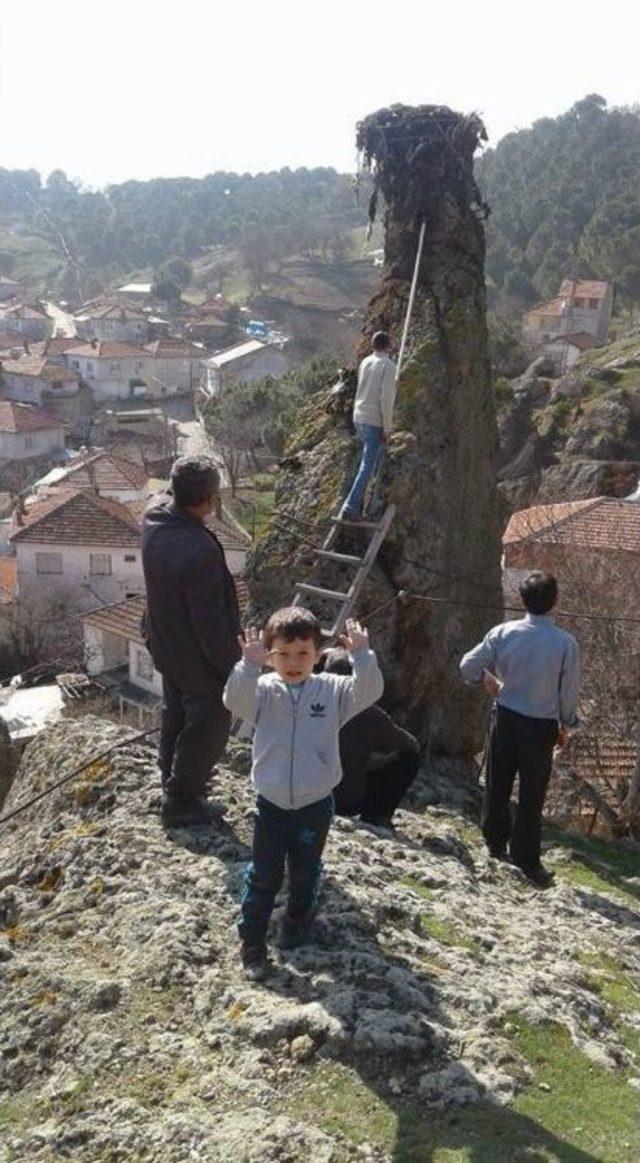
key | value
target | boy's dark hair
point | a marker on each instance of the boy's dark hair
(337, 661)
(539, 592)
(292, 622)
(380, 341)
(194, 480)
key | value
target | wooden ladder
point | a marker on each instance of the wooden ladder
(346, 601)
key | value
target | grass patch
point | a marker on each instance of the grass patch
(618, 988)
(447, 934)
(600, 865)
(587, 1116)
(416, 886)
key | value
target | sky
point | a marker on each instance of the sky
(145, 88)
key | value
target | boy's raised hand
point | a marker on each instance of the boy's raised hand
(356, 636)
(252, 646)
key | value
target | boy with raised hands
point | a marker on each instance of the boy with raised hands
(296, 764)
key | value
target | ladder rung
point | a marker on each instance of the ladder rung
(318, 592)
(344, 558)
(355, 524)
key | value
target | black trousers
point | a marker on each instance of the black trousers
(296, 837)
(523, 746)
(383, 790)
(193, 736)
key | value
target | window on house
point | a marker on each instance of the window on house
(48, 563)
(100, 564)
(579, 302)
(593, 304)
(90, 367)
(130, 557)
(116, 367)
(144, 665)
(28, 441)
(76, 364)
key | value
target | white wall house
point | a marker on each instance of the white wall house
(566, 349)
(177, 366)
(112, 321)
(116, 656)
(33, 379)
(28, 320)
(85, 544)
(27, 432)
(110, 368)
(243, 363)
(234, 541)
(582, 305)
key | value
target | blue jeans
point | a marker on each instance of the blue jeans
(297, 836)
(370, 437)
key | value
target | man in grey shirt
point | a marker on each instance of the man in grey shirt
(532, 668)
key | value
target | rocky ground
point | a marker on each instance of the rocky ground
(128, 1032)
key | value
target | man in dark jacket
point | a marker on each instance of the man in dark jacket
(379, 759)
(192, 626)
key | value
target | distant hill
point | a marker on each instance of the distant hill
(565, 199)
(70, 241)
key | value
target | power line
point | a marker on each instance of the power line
(72, 774)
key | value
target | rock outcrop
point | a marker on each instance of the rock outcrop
(440, 465)
(575, 436)
(126, 1028)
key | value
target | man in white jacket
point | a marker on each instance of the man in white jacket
(372, 417)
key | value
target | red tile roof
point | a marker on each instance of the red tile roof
(39, 367)
(27, 311)
(78, 518)
(111, 311)
(108, 349)
(597, 523)
(25, 418)
(104, 470)
(122, 619)
(174, 349)
(228, 535)
(584, 288)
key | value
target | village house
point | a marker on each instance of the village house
(82, 543)
(566, 349)
(29, 320)
(101, 472)
(116, 656)
(27, 432)
(111, 369)
(134, 293)
(243, 363)
(34, 379)
(235, 542)
(117, 370)
(177, 366)
(582, 305)
(112, 321)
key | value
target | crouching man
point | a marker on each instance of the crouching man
(379, 759)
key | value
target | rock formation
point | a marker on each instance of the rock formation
(440, 466)
(573, 436)
(127, 1031)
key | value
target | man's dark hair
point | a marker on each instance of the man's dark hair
(337, 661)
(292, 622)
(194, 480)
(539, 592)
(380, 341)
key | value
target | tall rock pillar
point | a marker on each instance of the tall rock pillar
(440, 465)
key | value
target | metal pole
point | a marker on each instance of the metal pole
(412, 295)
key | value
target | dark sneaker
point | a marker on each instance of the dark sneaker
(500, 854)
(378, 822)
(293, 933)
(176, 813)
(539, 875)
(255, 961)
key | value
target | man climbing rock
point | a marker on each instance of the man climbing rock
(192, 626)
(372, 418)
(532, 668)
